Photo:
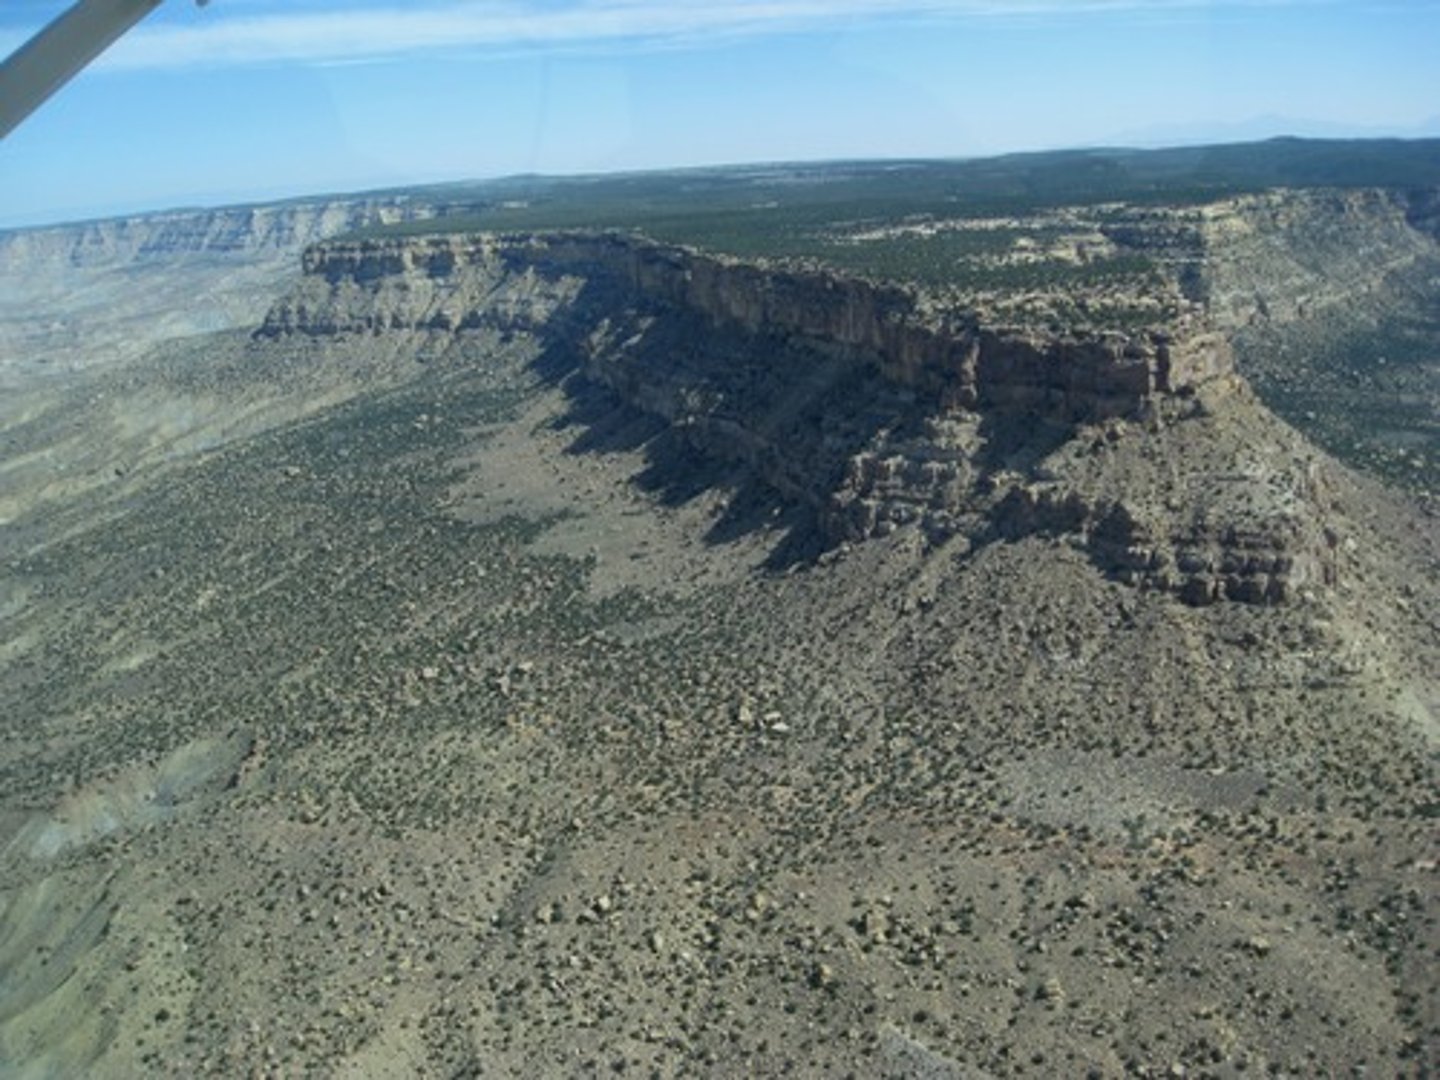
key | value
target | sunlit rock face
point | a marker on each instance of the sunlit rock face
(280, 227)
(878, 407)
(96, 293)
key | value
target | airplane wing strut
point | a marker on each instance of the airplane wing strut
(56, 54)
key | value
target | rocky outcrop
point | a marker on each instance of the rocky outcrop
(1255, 561)
(872, 404)
(422, 285)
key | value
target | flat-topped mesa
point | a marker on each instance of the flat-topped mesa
(912, 341)
(901, 332)
(875, 405)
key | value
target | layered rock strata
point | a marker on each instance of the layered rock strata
(873, 404)
(431, 284)
(282, 228)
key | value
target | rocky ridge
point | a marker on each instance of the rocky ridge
(877, 406)
(279, 228)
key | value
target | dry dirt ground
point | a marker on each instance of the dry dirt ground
(393, 716)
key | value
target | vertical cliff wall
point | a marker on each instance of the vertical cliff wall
(869, 403)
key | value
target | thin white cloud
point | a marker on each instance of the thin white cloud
(216, 37)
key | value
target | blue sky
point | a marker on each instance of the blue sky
(253, 99)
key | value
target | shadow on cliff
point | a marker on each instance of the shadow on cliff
(675, 472)
(778, 446)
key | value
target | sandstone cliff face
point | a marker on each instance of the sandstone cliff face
(96, 293)
(421, 285)
(432, 284)
(1329, 299)
(872, 405)
(1285, 255)
(280, 229)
